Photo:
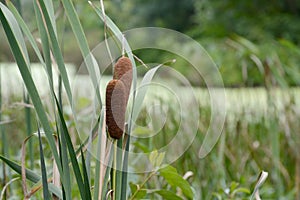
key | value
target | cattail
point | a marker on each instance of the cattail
(115, 108)
(123, 72)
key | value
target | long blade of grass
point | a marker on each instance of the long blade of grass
(142, 90)
(65, 164)
(55, 173)
(28, 128)
(101, 144)
(66, 177)
(44, 42)
(25, 30)
(26, 76)
(46, 194)
(50, 9)
(83, 45)
(17, 32)
(30, 175)
(23, 161)
(85, 178)
(56, 49)
(118, 169)
(72, 153)
(108, 160)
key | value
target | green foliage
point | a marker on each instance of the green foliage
(255, 20)
(176, 186)
(175, 180)
(232, 192)
(247, 55)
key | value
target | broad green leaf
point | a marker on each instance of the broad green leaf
(167, 195)
(152, 157)
(133, 187)
(175, 180)
(141, 146)
(140, 194)
(233, 186)
(141, 131)
(160, 159)
(218, 196)
(156, 158)
(241, 190)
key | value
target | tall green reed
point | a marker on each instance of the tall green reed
(65, 154)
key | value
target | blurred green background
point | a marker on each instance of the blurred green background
(254, 44)
(244, 38)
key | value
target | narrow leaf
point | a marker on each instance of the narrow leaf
(30, 175)
(31, 88)
(72, 153)
(46, 194)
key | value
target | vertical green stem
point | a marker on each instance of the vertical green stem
(119, 168)
(114, 185)
(29, 128)
(125, 168)
(4, 141)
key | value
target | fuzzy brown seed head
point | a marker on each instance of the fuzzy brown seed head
(115, 108)
(123, 72)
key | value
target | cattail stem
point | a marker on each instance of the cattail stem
(114, 178)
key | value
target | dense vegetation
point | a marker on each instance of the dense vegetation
(253, 43)
(241, 36)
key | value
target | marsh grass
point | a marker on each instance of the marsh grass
(259, 134)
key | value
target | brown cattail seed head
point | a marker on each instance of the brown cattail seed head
(115, 108)
(123, 72)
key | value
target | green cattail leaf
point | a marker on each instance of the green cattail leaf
(46, 194)
(85, 178)
(30, 175)
(25, 30)
(26, 76)
(83, 45)
(142, 90)
(72, 153)
(57, 53)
